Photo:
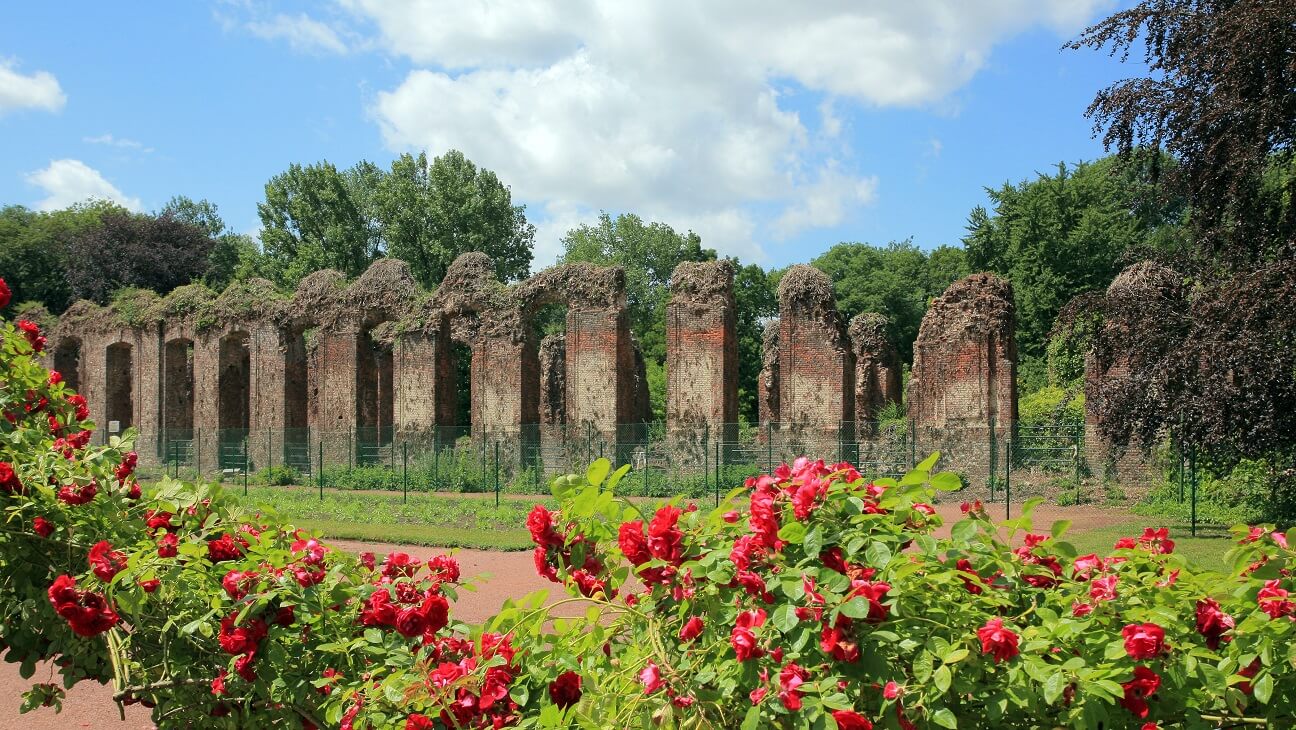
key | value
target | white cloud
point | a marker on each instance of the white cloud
(676, 110)
(112, 141)
(67, 182)
(303, 33)
(934, 147)
(37, 91)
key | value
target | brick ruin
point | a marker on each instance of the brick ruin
(340, 367)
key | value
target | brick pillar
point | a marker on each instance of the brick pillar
(600, 369)
(816, 368)
(505, 385)
(877, 367)
(424, 381)
(767, 387)
(701, 347)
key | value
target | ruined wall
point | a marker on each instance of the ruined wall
(816, 367)
(701, 347)
(1140, 284)
(877, 367)
(965, 357)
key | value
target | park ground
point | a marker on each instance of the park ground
(490, 543)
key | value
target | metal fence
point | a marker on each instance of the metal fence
(1000, 464)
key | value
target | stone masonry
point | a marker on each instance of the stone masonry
(254, 376)
(965, 358)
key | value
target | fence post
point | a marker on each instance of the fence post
(321, 468)
(992, 467)
(348, 449)
(1008, 485)
(717, 473)
(913, 444)
(497, 483)
(706, 462)
(245, 466)
(769, 447)
(1192, 477)
(404, 471)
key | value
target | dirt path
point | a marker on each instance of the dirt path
(512, 575)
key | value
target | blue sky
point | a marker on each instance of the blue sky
(773, 129)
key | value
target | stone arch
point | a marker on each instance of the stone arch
(234, 382)
(67, 360)
(119, 377)
(178, 386)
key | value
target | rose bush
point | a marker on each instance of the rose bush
(811, 597)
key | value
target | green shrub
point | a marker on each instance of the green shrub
(277, 476)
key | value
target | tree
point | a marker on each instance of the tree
(310, 220)
(1220, 100)
(1214, 366)
(757, 302)
(31, 260)
(893, 281)
(133, 250)
(202, 213)
(649, 253)
(1062, 235)
(428, 214)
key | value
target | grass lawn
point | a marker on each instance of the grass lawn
(435, 520)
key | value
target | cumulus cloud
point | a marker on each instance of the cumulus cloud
(302, 32)
(67, 182)
(677, 109)
(39, 90)
(113, 141)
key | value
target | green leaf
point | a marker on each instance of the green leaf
(955, 656)
(813, 542)
(942, 678)
(752, 720)
(963, 530)
(855, 608)
(1263, 688)
(616, 477)
(878, 554)
(929, 463)
(945, 718)
(793, 532)
(784, 618)
(598, 471)
(1060, 527)
(947, 481)
(1053, 687)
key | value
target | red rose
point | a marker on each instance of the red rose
(651, 678)
(540, 523)
(444, 568)
(692, 629)
(436, 609)
(243, 666)
(1144, 641)
(87, 613)
(1103, 589)
(378, 610)
(5, 294)
(218, 684)
(1212, 622)
(970, 584)
(106, 562)
(411, 621)
(664, 538)
(892, 690)
(398, 564)
(875, 592)
(742, 638)
(78, 401)
(32, 332)
(367, 560)
(1137, 690)
(630, 537)
(224, 548)
(238, 584)
(241, 639)
(1273, 600)
(791, 677)
(418, 721)
(42, 527)
(167, 545)
(565, 691)
(851, 720)
(9, 480)
(150, 585)
(997, 640)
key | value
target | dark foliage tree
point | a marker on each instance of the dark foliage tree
(131, 250)
(1221, 99)
(1216, 370)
